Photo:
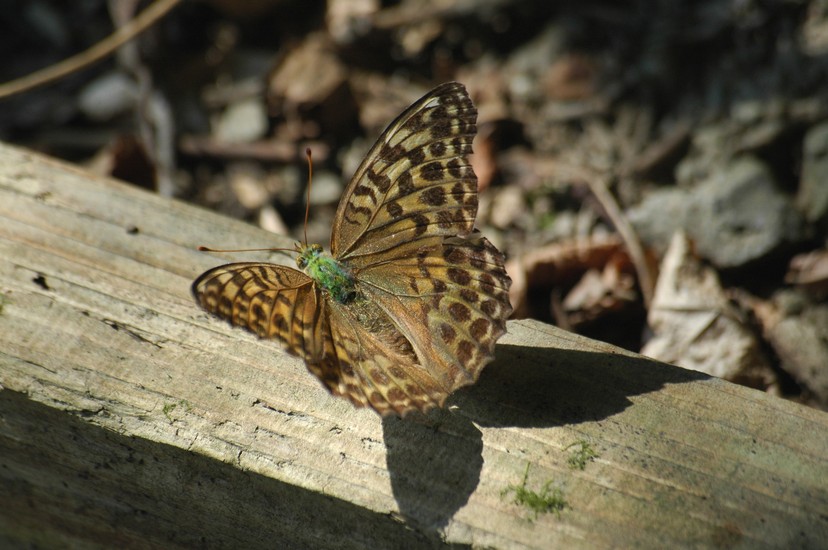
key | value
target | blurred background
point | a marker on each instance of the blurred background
(655, 171)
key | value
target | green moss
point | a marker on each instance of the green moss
(580, 456)
(170, 407)
(549, 499)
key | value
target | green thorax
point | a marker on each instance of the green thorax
(328, 273)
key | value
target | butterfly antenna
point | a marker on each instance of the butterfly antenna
(307, 210)
(205, 249)
(307, 202)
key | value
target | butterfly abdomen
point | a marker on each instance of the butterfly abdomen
(333, 277)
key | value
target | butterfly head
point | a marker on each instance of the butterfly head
(307, 254)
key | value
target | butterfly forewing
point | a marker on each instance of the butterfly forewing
(415, 183)
(270, 300)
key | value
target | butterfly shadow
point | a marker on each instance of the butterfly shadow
(435, 462)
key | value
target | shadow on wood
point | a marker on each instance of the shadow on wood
(96, 487)
(525, 387)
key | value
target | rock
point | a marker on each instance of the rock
(660, 215)
(108, 96)
(797, 329)
(740, 216)
(243, 122)
(326, 188)
(247, 180)
(509, 204)
(735, 217)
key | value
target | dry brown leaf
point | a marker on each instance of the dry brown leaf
(308, 75)
(600, 291)
(557, 265)
(310, 90)
(696, 327)
(809, 271)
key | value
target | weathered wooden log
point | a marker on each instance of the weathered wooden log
(130, 418)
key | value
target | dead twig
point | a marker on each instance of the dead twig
(598, 186)
(99, 51)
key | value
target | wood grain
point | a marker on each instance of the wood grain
(128, 417)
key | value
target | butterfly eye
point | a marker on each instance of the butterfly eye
(316, 248)
(302, 262)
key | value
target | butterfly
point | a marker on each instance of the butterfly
(409, 303)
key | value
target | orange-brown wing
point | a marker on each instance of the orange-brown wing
(350, 359)
(451, 302)
(415, 184)
(376, 365)
(269, 300)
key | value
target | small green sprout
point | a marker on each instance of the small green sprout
(549, 499)
(582, 455)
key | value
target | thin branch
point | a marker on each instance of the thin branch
(597, 185)
(99, 51)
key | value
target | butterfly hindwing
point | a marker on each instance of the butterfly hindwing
(377, 365)
(452, 302)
